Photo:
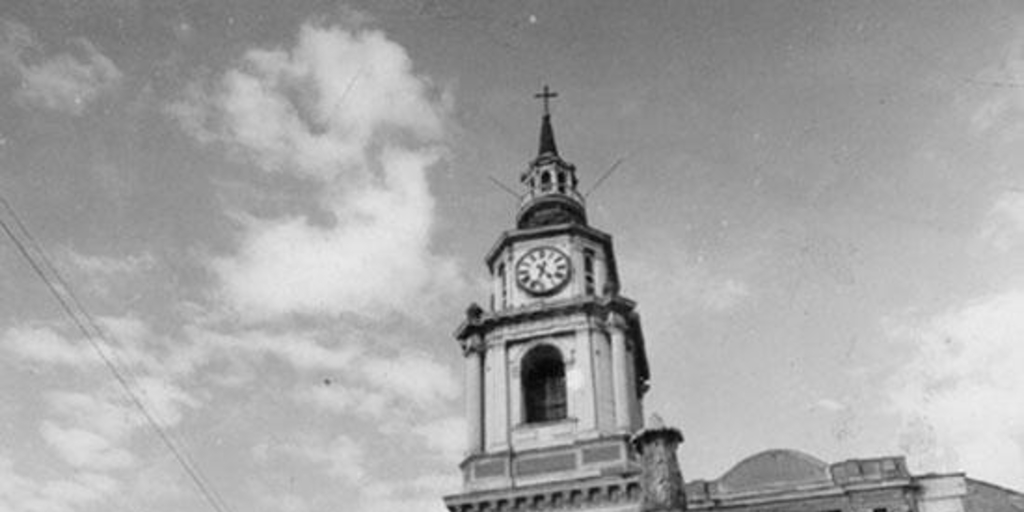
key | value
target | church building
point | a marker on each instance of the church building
(555, 375)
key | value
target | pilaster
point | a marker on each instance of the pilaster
(474, 355)
(620, 372)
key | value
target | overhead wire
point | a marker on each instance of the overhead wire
(68, 302)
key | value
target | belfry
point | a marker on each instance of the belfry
(555, 366)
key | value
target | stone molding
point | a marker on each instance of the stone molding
(515, 235)
(574, 495)
(599, 307)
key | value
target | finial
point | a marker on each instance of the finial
(474, 312)
(546, 95)
(547, 134)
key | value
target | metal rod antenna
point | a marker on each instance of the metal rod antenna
(604, 177)
(503, 186)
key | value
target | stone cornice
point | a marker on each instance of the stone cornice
(599, 306)
(532, 451)
(587, 492)
(597, 235)
(761, 497)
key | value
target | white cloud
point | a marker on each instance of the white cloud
(377, 257)
(1001, 114)
(419, 379)
(15, 490)
(151, 377)
(343, 456)
(300, 349)
(315, 109)
(66, 82)
(694, 284)
(1003, 225)
(286, 502)
(89, 411)
(723, 294)
(44, 345)
(22, 494)
(828, 404)
(91, 430)
(345, 399)
(960, 393)
(421, 493)
(344, 109)
(84, 449)
(107, 266)
(163, 399)
(358, 381)
(329, 397)
(422, 502)
(446, 436)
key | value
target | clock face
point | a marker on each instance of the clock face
(543, 271)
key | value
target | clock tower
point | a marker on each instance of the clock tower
(555, 366)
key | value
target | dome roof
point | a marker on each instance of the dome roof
(775, 469)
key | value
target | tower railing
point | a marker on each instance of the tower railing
(552, 189)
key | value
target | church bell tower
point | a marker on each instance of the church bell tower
(555, 366)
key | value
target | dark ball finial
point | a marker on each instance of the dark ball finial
(474, 312)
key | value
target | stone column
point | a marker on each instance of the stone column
(620, 371)
(661, 481)
(497, 397)
(474, 355)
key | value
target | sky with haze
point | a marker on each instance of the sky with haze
(279, 210)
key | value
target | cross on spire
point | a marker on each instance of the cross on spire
(546, 95)
(547, 135)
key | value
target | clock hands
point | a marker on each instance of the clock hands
(543, 270)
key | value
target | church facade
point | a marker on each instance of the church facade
(556, 371)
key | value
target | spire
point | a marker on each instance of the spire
(547, 134)
(547, 138)
(551, 196)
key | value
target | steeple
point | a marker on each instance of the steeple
(555, 365)
(551, 182)
(547, 135)
(547, 138)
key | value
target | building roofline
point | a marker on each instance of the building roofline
(983, 482)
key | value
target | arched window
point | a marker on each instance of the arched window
(543, 376)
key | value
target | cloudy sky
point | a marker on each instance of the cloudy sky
(278, 210)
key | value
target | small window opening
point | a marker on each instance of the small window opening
(588, 272)
(543, 376)
(501, 285)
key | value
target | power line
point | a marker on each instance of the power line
(187, 463)
(103, 334)
(90, 321)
